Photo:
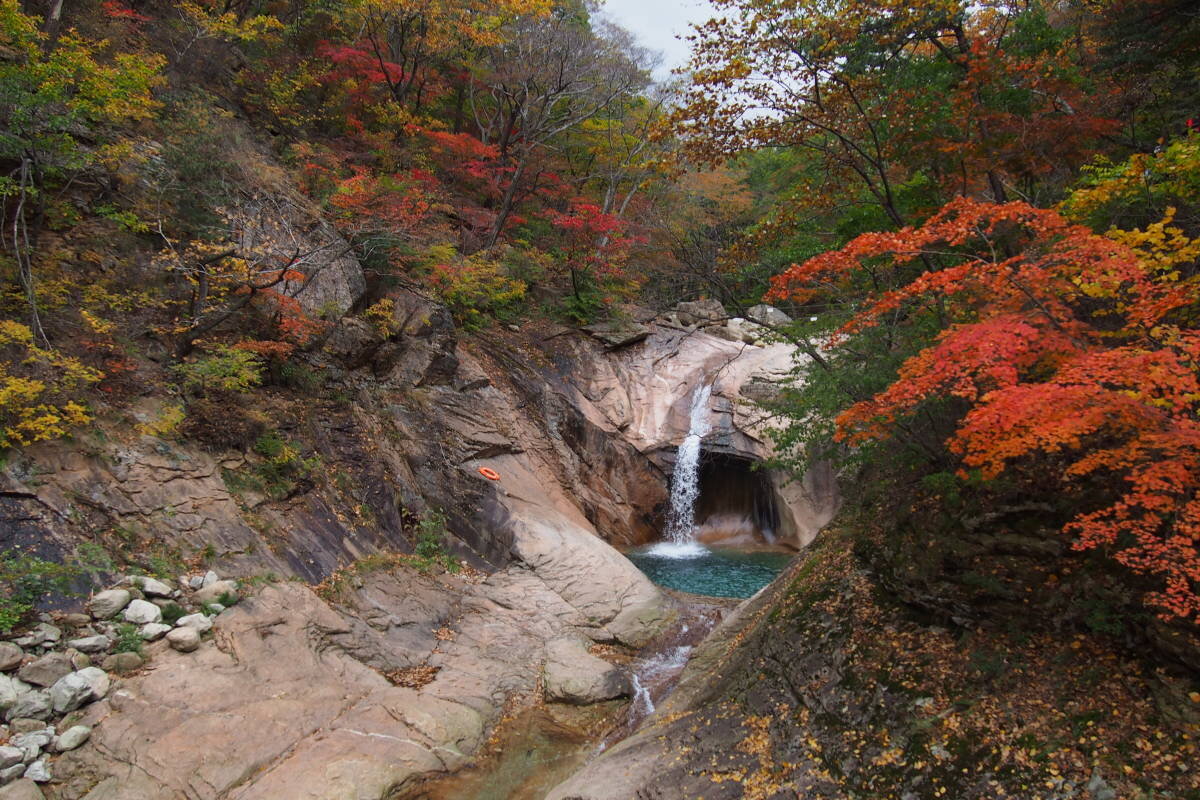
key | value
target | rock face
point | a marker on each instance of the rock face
(643, 393)
(309, 679)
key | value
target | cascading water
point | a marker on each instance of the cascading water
(685, 482)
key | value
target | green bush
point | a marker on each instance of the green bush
(129, 639)
(23, 581)
(227, 369)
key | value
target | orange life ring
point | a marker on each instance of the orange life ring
(489, 473)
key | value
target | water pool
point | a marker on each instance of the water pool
(715, 572)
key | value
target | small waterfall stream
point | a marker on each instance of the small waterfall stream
(685, 481)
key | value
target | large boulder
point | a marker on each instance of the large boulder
(108, 604)
(141, 612)
(573, 675)
(47, 669)
(767, 315)
(701, 312)
(213, 592)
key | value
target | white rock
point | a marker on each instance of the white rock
(209, 579)
(196, 581)
(153, 631)
(98, 679)
(70, 692)
(37, 772)
(215, 608)
(140, 612)
(106, 604)
(10, 755)
(91, 644)
(34, 704)
(201, 622)
(185, 640)
(213, 592)
(151, 587)
(72, 738)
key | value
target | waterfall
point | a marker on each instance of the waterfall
(685, 483)
(641, 696)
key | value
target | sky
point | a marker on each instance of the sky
(657, 22)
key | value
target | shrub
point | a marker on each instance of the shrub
(472, 287)
(227, 369)
(23, 581)
(129, 639)
(38, 389)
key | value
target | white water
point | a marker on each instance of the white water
(641, 697)
(685, 484)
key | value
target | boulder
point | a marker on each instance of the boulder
(9, 774)
(78, 660)
(701, 312)
(209, 579)
(140, 612)
(34, 704)
(47, 669)
(573, 675)
(213, 592)
(10, 656)
(123, 662)
(10, 755)
(43, 633)
(108, 604)
(99, 680)
(618, 333)
(72, 738)
(70, 692)
(767, 315)
(185, 640)
(151, 587)
(91, 644)
(38, 772)
(153, 631)
(31, 744)
(76, 620)
(201, 622)
(26, 725)
(21, 790)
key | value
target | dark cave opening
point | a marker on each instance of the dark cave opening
(737, 504)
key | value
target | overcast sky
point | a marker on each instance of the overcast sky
(657, 23)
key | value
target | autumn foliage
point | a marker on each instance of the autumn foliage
(1069, 354)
